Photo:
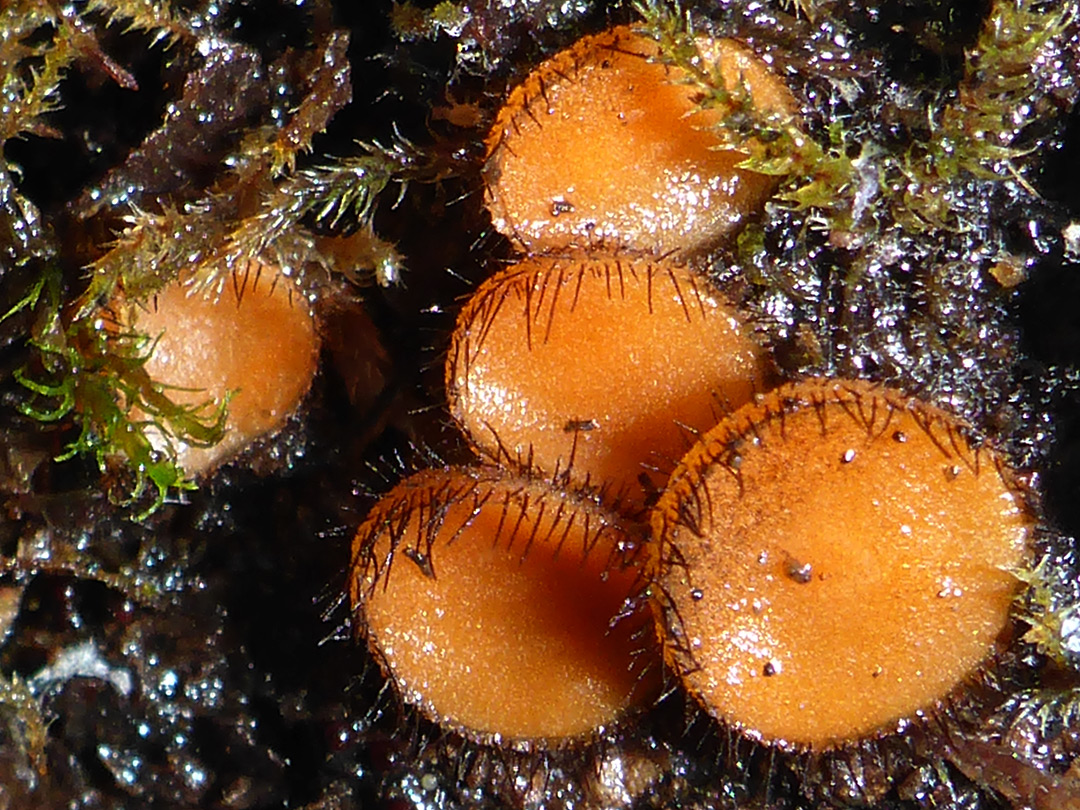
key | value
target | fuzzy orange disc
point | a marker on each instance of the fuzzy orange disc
(839, 559)
(492, 600)
(260, 344)
(603, 145)
(602, 366)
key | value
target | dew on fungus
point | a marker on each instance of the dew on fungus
(598, 366)
(498, 605)
(255, 342)
(605, 145)
(835, 598)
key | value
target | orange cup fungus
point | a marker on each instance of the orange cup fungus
(491, 602)
(260, 344)
(602, 367)
(605, 145)
(838, 557)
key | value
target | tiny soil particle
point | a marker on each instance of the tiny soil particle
(510, 629)
(604, 145)
(911, 588)
(646, 349)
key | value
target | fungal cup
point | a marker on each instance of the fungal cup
(503, 608)
(605, 146)
(253, 346)
(835, 560)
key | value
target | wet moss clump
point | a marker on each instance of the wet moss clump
(162, 643)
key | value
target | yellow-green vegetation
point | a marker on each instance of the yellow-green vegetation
(317, 219)
(1053, 628)
(75, 369)
(971, 131)
(1054, 631)
(82, 371)
(412, 22)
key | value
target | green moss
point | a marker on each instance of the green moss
(1053, 627)
(971, 133)
(411, 22)
(87, 374)
(158, 19)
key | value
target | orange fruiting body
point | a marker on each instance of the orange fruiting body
(259, 343)
(491, 602)
(838, 557)
(599, 366)
(604, 145)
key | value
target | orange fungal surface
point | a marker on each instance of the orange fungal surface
(838, 558)
(258, 342)
(604, 145)
(492, 600)
(600, 366)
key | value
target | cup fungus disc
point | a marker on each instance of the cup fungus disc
(260, 343)
(603, 144)
(599, 366)
(491, 602)
(838, 558)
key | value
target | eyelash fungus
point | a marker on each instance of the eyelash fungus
(491, 601)
(305, 619)
(546, 351)
(538, 372)
(603, 145)
(253, 345)
(834, 561)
